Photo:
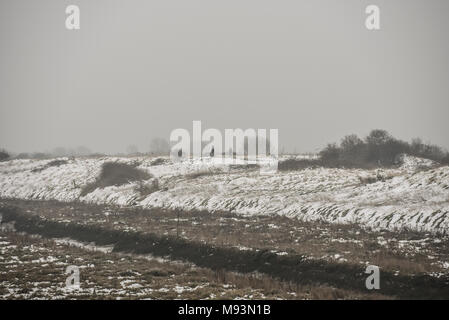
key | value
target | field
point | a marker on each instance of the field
(202, 229)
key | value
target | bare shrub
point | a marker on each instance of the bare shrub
(158, 162)
(246, 166)
(4, 155)
(201, 173)
(54, 163)
(115, 174)
(378, 149)
(368, 180)
(146, 188)
(41, 156)
(429, 151)
(297, 164)
(159, 146)
(330, 155)
(23, 155)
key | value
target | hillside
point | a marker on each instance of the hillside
(413, 196)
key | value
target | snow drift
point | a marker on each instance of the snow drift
(414, 196)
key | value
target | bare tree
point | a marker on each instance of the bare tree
(83, 151)
(4, 155)
(132, 149)
(159, 146)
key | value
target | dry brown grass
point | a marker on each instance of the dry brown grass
(318, 240)
(104, 276)
(329, 242)
(201, 173)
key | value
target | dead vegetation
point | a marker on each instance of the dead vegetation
(146, 188)
(328, 254)
(298, 164)
(34, 268)
(115, 174)
(313, 239)
(246, 166)
(53, 163)
(201, 173)
(159, 161)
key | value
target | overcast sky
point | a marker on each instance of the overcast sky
(139, 69)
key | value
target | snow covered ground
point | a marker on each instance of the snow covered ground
(404, 198)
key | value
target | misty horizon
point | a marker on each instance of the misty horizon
(224, 155)
(138, 70)
(133, 149)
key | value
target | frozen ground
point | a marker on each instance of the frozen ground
(35, 268)
(283, 258)
(414, 196)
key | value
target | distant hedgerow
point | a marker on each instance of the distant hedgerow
(378, 149)
(4, 155)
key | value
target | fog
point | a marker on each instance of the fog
(137, 70)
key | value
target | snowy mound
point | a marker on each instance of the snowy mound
(402, 198)
(412, 163)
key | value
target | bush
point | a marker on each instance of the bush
(54, 163)
(297, 164)
(202, 173)
(23, 155)
(4, 155)
(384, 152)
(353, 151)
(158, 162)
(331, 155)
(445, 159)
(115, 174)
(429, 151)
(379, 148)
(41, 156)
(147, 188)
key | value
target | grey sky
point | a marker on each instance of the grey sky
(139, 69)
